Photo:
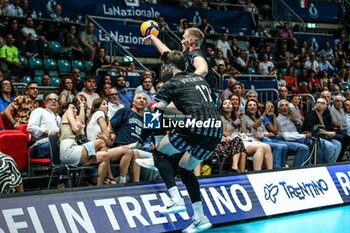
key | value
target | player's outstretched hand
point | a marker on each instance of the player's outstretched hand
(147, 39)
(135, 145)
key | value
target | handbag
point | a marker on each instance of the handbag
(81, 139)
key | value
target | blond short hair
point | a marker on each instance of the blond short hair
(196, 34)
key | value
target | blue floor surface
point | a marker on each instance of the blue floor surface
(332, 220)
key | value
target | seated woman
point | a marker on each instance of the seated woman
(66, 89)
(231, 147)
(99, 127)
(104, 85)
(261, 151)
(256, 129)
(7, 94)
(92, 152)
(101, 61)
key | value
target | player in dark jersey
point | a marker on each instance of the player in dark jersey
(197, 136)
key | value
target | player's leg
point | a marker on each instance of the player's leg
(186, 167)
(165, 163)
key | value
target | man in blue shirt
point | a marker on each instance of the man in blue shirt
(127, 125)
(125, 97)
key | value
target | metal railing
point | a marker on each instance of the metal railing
(281, 5)
(266, 94)
(307, 102)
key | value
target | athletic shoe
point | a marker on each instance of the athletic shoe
(177, 206)
(147, 163)
(198, 225)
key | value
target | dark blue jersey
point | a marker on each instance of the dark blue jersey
(191, 95)
(127, 126)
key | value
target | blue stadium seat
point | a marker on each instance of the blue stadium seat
(38, 79)
(24, 60)
(64, 66)
(53, 73)
(27, 79)
(39, 72)
(50, 64)
(88, 66)
(251, 70)
(55, 46)
(78, 64)
(55, 81)
(36, 63)
(284, 71)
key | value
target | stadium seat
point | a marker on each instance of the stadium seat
(39, 72)
(64, 66)
(36, 63)
(55, 46)
(27, 79)
(38, 79)
(54, 73)
(50, 64)
(251, 70)
(78, 64)
(24, 60)
(82, 75)
(284, 71)
(88, 66)
(55, 81)
(14, 143)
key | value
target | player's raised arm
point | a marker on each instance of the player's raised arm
(201, 66)
(156, 42)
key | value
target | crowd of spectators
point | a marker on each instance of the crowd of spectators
(265, 132)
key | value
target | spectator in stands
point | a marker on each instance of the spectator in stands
(281, 82)
(339, 53)
(42, 123)
(234, 48)
(237, 89)
(10, 63)
(3, 5)
(282, 56)
(92, 152)
(7, 94)
(25, 8)
(253, 95)
(13, 29)
(262, 32)
(77, 79)
(256, 128)
(55, 31)
(303, 77)
(290, 134)
(125, 97)
(113, 104)
(72, 41)
(312, 64)
(209, 55)
(345, 126)
(19, 110)
(46, 80)
(327, 50)
(89, 84)
(219, 60)
(337, 112)
(318, 116)
(146, 86)
(228, 91)
(103, 93)
(267, 49)
(223, 46)
(328, 97)
(14, 9)
(314, 82)
(183, 25)
(324, 64)
(298, 114)
(33, 42)
(253, 57)
(242, 62)
(266, 67)
(127, 124)
(291, 79)
(89, 41)
(101, 61)
(102, 89)
(324, 79)
(282, 95)
(285, 32)
(206, 27)
(1, 76)
(56, 14)
(66, 89)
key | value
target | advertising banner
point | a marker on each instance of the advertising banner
(316, 11)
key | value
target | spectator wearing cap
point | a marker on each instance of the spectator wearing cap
(19, 110)
(43, 122)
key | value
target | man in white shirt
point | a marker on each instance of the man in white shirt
(242, 62)
(146, 86)
(224, 46)
(337, 112)
(113, 105)
(266, 66)
(312, 63)
(14, 9)
(89, 84)
(43, 122)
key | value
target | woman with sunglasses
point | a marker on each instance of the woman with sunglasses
(7, 94)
